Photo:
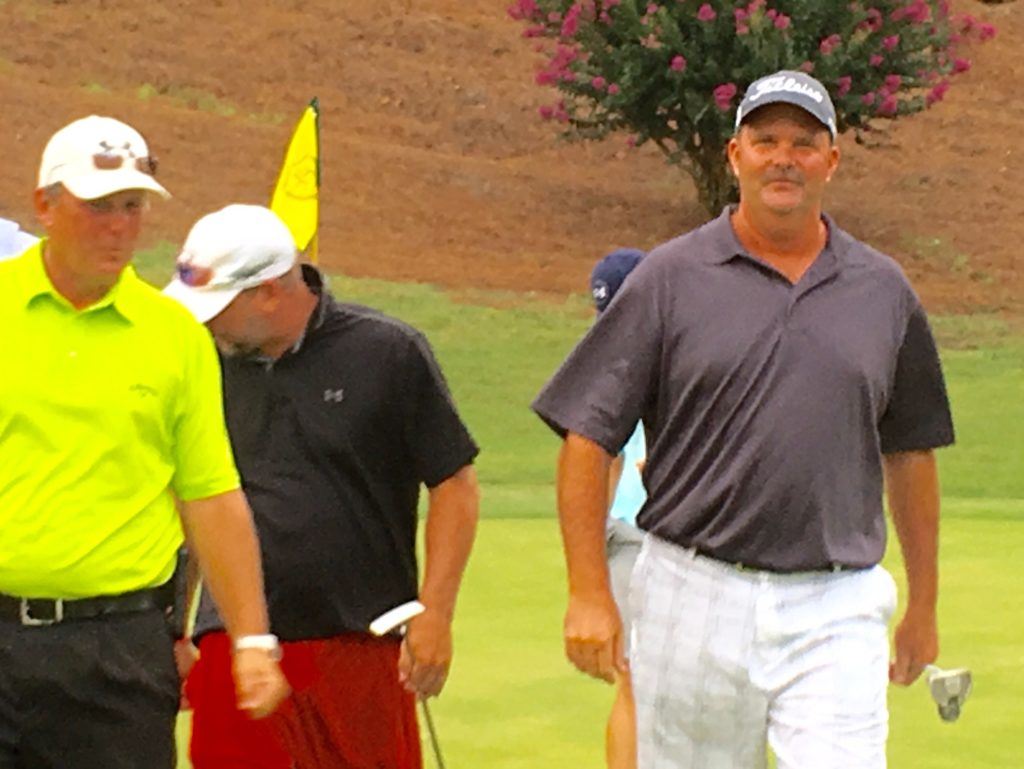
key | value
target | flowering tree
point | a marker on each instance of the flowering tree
(672, 72)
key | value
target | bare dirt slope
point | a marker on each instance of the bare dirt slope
(435, 166)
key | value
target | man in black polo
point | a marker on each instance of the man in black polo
(337, 414)
(781, 369)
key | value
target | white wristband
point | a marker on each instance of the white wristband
(266, 642)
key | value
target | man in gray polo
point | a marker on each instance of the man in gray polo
(782, 369)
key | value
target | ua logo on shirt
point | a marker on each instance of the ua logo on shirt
(334, 396)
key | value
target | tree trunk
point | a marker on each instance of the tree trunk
(716, 186)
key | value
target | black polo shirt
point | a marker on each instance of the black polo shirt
(767, 405)
(332, 442)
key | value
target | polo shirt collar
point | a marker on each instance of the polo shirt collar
(314, 279)
(124, 297)
(723, 245)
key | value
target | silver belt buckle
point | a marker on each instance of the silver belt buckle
(28, 620)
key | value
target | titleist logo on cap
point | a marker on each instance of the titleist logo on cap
(784, 83)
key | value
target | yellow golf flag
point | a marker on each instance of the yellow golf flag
(297, 194)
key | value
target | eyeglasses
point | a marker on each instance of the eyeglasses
(111, 161)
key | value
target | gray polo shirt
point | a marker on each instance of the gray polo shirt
(767, 405)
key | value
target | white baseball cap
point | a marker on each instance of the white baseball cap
(225, 253)
(97, 156)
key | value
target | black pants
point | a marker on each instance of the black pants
(88, 694)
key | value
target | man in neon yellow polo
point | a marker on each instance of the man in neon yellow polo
(109, 410)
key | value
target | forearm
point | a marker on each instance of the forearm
(583, 470)
(450, 530)
(912, 486)
(222, 538)
(614, 476)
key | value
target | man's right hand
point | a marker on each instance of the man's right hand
(260, 685)
(593, 636)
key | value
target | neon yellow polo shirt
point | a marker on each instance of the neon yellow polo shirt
(103, 413)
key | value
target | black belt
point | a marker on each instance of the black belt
(739, 566)
(37, 612)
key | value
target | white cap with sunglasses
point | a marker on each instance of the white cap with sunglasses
(227, 252)
(98, 156)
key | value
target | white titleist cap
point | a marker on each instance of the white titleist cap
(225, 253)
(97, 156)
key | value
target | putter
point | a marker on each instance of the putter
(949, 689)
(396, 619)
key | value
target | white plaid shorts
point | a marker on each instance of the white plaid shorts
(726, 661)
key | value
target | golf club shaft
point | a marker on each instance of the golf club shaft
(433, 735)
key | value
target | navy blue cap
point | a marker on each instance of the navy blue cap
(796, 88)
(610, 273)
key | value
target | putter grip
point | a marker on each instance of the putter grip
(395, 618)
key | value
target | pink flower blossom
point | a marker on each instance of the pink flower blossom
(706, 13)
(631, 141)
(523, 9)
(613, 89)
(652, 8)
(571, 22)
(986, 32)
(843, 85)
(876, 59)
(723, 95)
(782, 21)
(599, 83)
(755, 6)
(890, 43)
(771, 14)
(918, 12)
(546, 112)
(873, 21)
(829, 44)
(889, 105)
(605, 18)
(961, 65)
(741, 15)
(937, 93)
(742, 29)
(893, 82)
(868, 99)
(807, 66)
(678, 64)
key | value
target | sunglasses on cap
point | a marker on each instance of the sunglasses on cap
(111, 161)
(193, 275)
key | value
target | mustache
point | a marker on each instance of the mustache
(794, 177)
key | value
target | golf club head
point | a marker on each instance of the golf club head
(393, 619)
(949, 689)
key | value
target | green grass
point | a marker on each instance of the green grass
(514, 703)
(187, 97)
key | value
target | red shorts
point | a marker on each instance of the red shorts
(347, 709)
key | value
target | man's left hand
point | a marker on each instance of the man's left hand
(916, 643)
(426, 654)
